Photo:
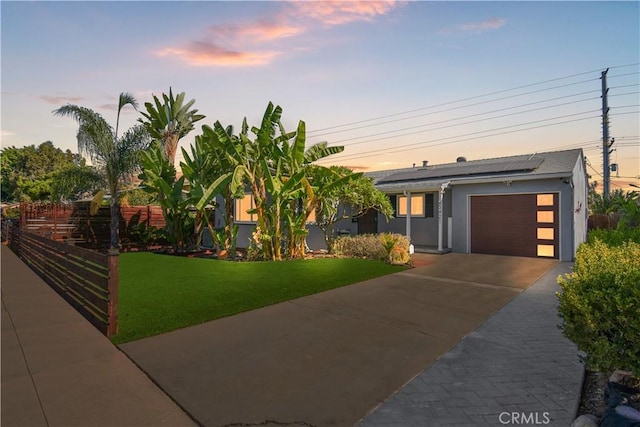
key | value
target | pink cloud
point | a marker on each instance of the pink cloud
(244, 44)
(261, 31)
(490, 24)
(206, 54)
(342, 12)
(58, 100)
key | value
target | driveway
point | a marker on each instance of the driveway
(328, 359)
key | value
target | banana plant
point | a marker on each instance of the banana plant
(205, 182)
(170, 120)
(159, 178)
(219, 143)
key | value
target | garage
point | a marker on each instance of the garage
(515, 224)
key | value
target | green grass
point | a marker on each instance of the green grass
(160, 293)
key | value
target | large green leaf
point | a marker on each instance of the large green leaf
(321, 150)
(299, 144)
(216, 187)
(293, 183)
(273, 185)
(240, 173)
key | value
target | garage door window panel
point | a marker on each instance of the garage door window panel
(547, 217)
(545, 233)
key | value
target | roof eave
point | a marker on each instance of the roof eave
(434, 185)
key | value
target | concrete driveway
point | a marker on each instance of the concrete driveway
(328, 359)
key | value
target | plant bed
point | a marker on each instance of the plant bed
(204, 253)
(603, 395)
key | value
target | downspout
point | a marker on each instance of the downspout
(443, 187)
(407, 194)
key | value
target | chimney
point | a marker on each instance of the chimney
(461, 159)
(424, 163)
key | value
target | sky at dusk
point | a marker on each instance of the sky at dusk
(395, 82)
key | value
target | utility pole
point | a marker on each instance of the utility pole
(606, 145)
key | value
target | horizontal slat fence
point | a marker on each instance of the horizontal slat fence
(88, 280)
(74, 223)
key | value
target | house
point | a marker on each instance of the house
(532, 205)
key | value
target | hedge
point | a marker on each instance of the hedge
(600, 305)
(389, 247)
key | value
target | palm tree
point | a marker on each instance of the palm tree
(169, 121)
(116, 156)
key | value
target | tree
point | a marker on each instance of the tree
(169, 121)
(336, 194)
(30, 173)
(159, 178)
(207, 177)
(216, 146)
(75, 181)
(116, 156)
(184, 211)
(274, 166)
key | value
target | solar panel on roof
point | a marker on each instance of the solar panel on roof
(465, 169)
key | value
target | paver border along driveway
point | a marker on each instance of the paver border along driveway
(329, 358)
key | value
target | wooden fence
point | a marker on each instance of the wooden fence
(88, 280)
(74, 223)
(603, 221)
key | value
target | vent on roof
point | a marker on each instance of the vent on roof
(461, 159)
(425, 163)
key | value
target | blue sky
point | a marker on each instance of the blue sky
(339, 63)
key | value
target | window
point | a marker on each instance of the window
(242, 206)
(417, 205)
(546, 251)
(545, 216)
(312, 217)
(429, 205)
(545, 199)
(545, 233)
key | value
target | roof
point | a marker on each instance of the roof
(533, 166)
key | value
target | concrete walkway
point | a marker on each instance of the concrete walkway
(516, 367)
(58, 370)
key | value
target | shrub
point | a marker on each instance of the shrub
(396, 247)
(600, 305)
(615, 237)
(360, 246)
(388, 247)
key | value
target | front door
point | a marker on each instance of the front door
(368, 223)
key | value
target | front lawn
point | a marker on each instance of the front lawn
(160, 293)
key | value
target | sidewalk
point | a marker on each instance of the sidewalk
(58, 370)
(516, 367)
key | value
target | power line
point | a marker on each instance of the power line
(478, 97)
(624, 75)
(445, 110)
(458, 124)
(438, 143)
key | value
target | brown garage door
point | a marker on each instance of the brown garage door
(516, 224)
